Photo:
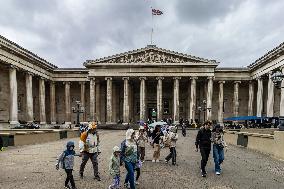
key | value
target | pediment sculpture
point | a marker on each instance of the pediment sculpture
(147, 56)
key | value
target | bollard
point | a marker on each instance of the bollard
(242, 140)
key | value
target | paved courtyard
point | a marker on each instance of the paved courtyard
(33, 166)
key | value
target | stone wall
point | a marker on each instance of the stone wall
(4, 94)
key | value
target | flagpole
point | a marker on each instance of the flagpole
(152, 29)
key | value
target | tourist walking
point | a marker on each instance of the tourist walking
(156, 136)
(203, 142)
(141, 142)
(218, 147)
(89, 148)
(173, 137)
(114, 168)
(66, 159)
(129, 157)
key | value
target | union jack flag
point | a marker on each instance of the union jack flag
(156, 12)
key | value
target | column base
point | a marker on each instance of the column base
(110, 123)
(14, 122)
(53, 123)
(68, 123)
(125, 123)
(42, 123)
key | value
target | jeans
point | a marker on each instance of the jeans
(115, 182)
(157, 149)
(172, 155)
(218, 155)
(69, 178)
(142, 153)
(204, 155)
(94, 159)
(130, 174)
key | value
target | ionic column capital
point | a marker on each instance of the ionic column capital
(125, 78)
(108, 78)
(30, 73)
(82, 82)
(176, 78)
(210, 77)
(52, 82)
(159, 78)
(221, 82)
(11, 66)
(91, 78)
(66, 83)
(237, 82)
(143, 78)
(193, 78)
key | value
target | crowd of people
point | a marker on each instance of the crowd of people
(131, 152)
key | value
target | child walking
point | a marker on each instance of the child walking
(66, 160)
(114, 168)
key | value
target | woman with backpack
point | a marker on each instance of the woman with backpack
(218, 147)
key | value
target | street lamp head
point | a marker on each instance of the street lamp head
(277, 78)
(77, 102)
(73, 108)
(204, 101)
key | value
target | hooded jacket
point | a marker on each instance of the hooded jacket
(114, 163)
(66, 158)
(129, 148)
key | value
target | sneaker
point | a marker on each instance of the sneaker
(203, 174)
(166, 161)
(136, 182)
(153, 161)
(126, 185)
(98, 178)
(174, 163)
(67, 187)
(110, 187)
(81, 175)
(218, 173)
(157, 161)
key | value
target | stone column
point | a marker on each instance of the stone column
(282, 96)
(13, 117)
(92, 98)
(209, 97)
(125, 100)
(236, 98)
(98, 102)
(29, 98)
(109, 100)
(67, 103)
(251, 98)
(259, 97)
(159, 98)
(42, 115)
(142, 98)
(221, 102)
(52, 103)
(83, 99)
(192, 103)
(176, 99)
(270, 97)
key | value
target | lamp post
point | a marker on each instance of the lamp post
(203, 108)
(78, 110)
(277, 78)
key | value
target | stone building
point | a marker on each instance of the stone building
(135, 85)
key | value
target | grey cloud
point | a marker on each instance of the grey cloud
(233, 32)
(204, 11)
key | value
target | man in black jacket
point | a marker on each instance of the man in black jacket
(203, 141)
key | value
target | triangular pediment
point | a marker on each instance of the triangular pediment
(151, 54)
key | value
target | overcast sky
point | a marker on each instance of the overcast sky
(68, 32)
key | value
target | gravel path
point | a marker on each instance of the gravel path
(33, 166)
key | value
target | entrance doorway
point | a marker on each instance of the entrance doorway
(152, 111)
